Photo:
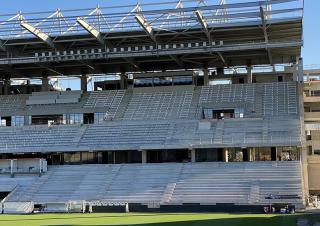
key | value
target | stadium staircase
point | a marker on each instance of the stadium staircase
(124, 104)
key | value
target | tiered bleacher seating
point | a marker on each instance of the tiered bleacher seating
(266, 99)
(182, 102)
(160, 103)
(228, 93)
(16, 185)
(37, 138)
(12, 104)
(126, 135)
(168, 183)
(110, 99)
(239, 95)
(161, 118)
(63, 97)
(18, 207)
(135, 135)
(209, 183)
(279, 99)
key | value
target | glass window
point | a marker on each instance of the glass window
(207, 155)
(64, 119)
(239, 112)
(288, 154)
(99, 117)
(235, 155)
(72, 158)
(17, 120)
(88, 158)
(76, 118)
(317, 152)
(263, 154)
(3, 122)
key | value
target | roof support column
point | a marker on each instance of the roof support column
(123, 81)
(193, 155)
(195, 79)
(6, 86)
(225, 155)
(249, 74)
(84, 83)
(250, 154)
(300, 70)
(144, 156)
(205, 77)
(45, 83)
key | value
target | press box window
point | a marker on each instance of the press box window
(209, 113)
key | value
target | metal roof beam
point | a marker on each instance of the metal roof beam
(203, 23)
(265, 33)
(132, 62)
(177, 60)
(12, 71)
(37, 32)
(145, 25)
(3, 46)
(51, 68)
(91, 29)
(222, 59)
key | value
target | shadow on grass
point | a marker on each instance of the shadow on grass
(76, 216)
(279, 220)
(254, 221)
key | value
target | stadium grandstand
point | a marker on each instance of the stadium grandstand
(195, 106)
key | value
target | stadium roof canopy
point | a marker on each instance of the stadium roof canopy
(155, 36)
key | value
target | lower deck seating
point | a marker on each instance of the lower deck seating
(168, 183)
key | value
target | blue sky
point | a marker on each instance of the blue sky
(311, 48)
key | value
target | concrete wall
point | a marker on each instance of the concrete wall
(314, 173)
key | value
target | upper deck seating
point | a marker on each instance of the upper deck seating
(160, 103)
(125, 135)
(37, 138)
(280, 99)
(11, 104)
(63, 97)
(135, 135)
(109, 99)
(259, 99)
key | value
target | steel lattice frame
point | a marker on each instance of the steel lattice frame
(266, 22)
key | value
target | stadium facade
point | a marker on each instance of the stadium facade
(167, 135)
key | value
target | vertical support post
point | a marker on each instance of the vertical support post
(249, 74)
(144, 156)
(300, 70)
(253, 154)
(250, 159)
(45, 83)
(123, 81)
(40, 166)
(205, 76)
(193, 155)
(195, 79)
(11, 167)
(295, 72)
(225, 155)
(127, 208)
(84, 83)
(6, 87)
(83, 206)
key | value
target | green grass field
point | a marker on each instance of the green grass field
(154, 219)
